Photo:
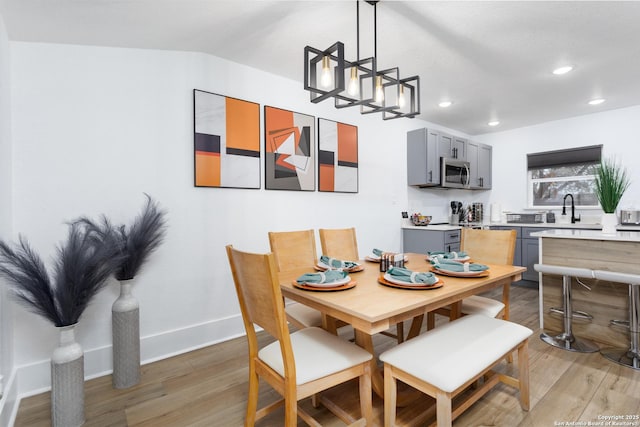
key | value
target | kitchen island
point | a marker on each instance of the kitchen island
(446, 237)
(594, 250)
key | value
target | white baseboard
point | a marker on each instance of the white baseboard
(10, 401)
(35, 378)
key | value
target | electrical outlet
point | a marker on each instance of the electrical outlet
(405, 215)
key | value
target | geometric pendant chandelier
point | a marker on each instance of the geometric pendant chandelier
(327, 74)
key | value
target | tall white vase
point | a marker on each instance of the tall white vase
(125, 320)
(609, 223)
(67, 381)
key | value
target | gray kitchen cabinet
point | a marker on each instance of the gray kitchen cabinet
(452, 147)
(423, 161)
(485, 156)
(479, 156)
(530, 257)
(423, 241)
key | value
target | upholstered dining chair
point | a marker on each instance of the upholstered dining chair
(486, 247)
(296, 250)
(341, 243)
(299, 364)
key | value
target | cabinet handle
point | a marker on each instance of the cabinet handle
(481, 182)
(455, 156)
(430, 176)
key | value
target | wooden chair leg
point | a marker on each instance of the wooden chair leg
(290, 406)
(504, 315)
(443, 409)
(252, 403)
(390, 396)
(523, 374)
(366, 404)
(315, 400)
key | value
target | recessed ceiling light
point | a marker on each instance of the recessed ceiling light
(562, 70)
(445, 104)
(596, 101)
(494, 123)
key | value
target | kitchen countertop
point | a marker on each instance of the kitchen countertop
(433, 227)
(626, 236)
(545, 225)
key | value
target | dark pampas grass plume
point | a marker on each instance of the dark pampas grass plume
(136, 242)
(80, 271)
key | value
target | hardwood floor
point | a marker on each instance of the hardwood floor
(208, 387)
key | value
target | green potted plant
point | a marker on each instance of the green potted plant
(612, 181)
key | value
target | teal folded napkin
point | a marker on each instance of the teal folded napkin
(336, 263)
(447, 255)
(456, 266)
(409, 276)
(328, 276)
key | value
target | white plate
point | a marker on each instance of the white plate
(343, 281)
(390, 278)
(467, 258)
(460, 273)
(323, 265)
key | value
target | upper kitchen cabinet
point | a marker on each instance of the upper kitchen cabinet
(479, 158)
(452, 147)
(423, 160)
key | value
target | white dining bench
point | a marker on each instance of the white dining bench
(445, 361)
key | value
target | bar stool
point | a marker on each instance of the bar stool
(566, 340)
(631, 356)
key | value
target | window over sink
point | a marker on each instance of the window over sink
(553, 174)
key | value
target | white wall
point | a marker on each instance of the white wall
(617, 130)
(93, 128)
(6, 326)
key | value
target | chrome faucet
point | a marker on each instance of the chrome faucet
(573, 209)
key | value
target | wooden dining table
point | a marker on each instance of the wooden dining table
(371, 307)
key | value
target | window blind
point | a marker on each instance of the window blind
(570, 156)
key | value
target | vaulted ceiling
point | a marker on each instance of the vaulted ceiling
(493, 60)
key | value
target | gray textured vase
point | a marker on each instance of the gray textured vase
(125, 319)
(67, 381)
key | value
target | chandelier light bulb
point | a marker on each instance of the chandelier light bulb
(353, 88)
(401, 99)
(326, 79)
(379, 89)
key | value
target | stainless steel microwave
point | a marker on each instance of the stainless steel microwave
(454, 173)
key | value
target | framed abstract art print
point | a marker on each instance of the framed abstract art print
(337, 157)
(289, 150)
(226, 141)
